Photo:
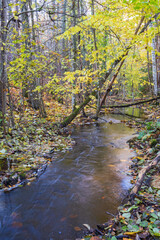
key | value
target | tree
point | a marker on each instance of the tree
(3, 58)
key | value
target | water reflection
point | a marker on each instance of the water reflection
(79, 187)
(134, 112)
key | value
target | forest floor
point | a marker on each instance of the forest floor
(139, 215)
(33, 143)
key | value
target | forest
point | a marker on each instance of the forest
(65, 64)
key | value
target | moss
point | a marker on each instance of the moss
(69, 119)
(153, 143)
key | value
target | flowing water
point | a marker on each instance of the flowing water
(77, 188)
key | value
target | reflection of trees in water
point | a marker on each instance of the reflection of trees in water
(134, 112)
(5, 209)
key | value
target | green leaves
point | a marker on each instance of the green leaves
(141, 134)
(126, 215)
(154, 231)
(144, 224)
(154, 215)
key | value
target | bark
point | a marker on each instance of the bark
(35, 98)
(148, 69)
(74, 67)
(32, 21)
(64, 25)
(142, 174)
(154, 65)
(96, 63)
(3, 71)
(69, 119)
(158, 62)
(131, 104)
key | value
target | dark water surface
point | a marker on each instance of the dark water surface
(78, 187)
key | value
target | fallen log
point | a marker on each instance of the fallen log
(69, 119)
(131, 104)
(142, 174)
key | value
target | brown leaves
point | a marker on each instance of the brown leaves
(77, 229)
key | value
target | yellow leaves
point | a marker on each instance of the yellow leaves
(38, 89)
(70, 32)
(15, 17)
(132, 233)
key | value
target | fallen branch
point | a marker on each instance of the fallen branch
(142, 174)
(131, 104)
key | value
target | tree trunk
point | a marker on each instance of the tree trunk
(96, 63)
(69, 119)
(154, 65)
(3, 71)
(158, 62)
(74, 41)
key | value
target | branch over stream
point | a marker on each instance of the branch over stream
(131, 104)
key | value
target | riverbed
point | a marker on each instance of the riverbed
(77, 188)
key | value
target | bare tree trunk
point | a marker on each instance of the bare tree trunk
(158, 62)
(96, 63)
(154, 65)
(74, 53)
(35, 97)
(149, 74)
(3, 71)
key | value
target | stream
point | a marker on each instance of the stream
(77, 188)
